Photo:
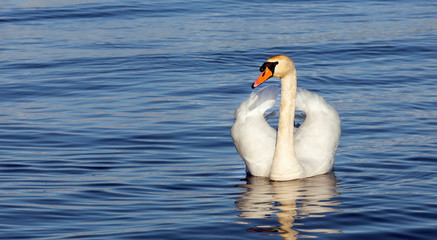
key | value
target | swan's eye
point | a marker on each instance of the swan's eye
(262, 68)
(269, 65)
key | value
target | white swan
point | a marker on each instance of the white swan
(291, 153)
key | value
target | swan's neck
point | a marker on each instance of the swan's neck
(285, 165)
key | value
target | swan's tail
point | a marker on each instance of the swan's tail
(258, 102)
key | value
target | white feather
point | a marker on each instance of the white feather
(253, 137)
(315, 141)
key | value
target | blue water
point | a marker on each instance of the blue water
(115, 119)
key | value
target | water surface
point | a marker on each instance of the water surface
(115, 119)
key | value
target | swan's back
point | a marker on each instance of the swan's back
(316, 140)
(253, 137)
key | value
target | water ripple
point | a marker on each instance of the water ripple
(116, 115)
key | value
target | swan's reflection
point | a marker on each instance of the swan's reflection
(285, 201)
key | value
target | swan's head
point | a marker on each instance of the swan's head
(277, 66)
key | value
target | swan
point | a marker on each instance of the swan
(289, 153)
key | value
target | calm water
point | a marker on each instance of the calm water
(115, 119)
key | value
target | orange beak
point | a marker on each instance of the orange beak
(263, 77)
